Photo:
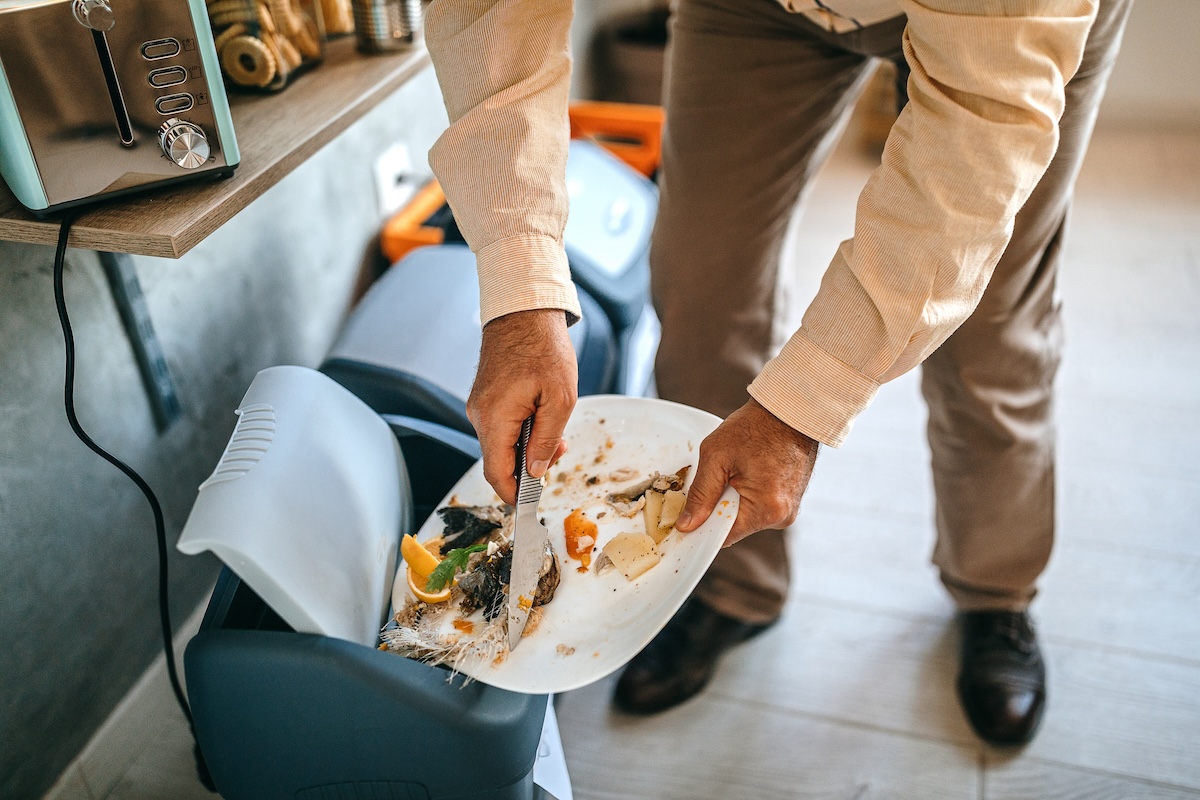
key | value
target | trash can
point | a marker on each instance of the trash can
(291, 697)
(607, 240)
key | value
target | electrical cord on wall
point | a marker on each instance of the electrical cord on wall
(164, 610)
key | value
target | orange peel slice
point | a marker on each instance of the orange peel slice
(424, 596)
(419, 560)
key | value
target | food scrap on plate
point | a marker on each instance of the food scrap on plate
(458, 580)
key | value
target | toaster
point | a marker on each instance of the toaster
(100, 98)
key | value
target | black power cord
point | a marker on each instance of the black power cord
(164, 611)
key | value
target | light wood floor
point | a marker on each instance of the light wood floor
(852, 695)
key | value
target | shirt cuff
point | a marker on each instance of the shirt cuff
(812, 391)
(522, 273)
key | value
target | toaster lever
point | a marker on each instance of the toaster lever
(94, 14)
(98, 16)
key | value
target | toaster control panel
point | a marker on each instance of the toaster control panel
(183, 142)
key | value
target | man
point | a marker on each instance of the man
(952, 265)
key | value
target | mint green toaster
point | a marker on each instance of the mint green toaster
(100, 98)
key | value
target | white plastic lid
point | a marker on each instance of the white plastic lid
(305, 504)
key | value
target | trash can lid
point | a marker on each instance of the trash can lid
(306, 504)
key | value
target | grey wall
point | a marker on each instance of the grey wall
(77, 552)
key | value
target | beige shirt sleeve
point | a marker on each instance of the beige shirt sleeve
(504, 68)
(980, 128)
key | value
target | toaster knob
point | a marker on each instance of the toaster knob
(184, 143)
(94, 14)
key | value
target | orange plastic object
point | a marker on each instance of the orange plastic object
(633, 133)
(407, 229)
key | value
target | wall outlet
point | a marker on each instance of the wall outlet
(395, 181)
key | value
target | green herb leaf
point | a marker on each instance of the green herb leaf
(454, 561)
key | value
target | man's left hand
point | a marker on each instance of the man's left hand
(768, 462)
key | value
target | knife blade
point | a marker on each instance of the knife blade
(529, 543)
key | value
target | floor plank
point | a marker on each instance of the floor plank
(1126, 598)
(870, 669)
(1121, 713)
(715, 749)
(147, 778)
(1140, 510)
(1029, 779)
(70, 786)
(867, 560)
(1123, 599)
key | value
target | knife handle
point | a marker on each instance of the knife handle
(529, 488)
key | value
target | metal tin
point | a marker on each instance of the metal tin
(386, 25)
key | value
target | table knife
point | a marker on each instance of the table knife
(529, 543)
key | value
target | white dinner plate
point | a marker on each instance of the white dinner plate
(597, 622)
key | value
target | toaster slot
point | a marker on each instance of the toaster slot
(167, 76)
(160, 48)
(115, 96)
(174, 103)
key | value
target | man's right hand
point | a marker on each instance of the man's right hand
(526, 366)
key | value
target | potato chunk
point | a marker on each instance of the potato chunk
(632, 553)
(672, 506)
(652, 512)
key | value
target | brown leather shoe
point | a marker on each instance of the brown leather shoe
(1002, 685)
(681, 660)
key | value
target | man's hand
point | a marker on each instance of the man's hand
(526, 365)
(766, 460)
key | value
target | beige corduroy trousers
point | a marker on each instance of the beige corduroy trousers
(754, 97)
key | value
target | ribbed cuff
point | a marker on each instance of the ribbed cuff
(522, 273)
(812, 391)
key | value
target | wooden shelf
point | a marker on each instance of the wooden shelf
(276, 133)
